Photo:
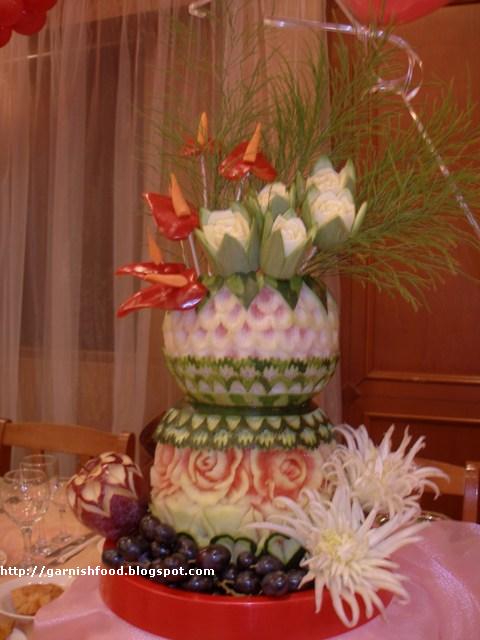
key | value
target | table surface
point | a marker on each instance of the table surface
(442, 572)
(11, 544)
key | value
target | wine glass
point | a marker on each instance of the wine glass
(49, 465)
(25, 493)
(59, 499)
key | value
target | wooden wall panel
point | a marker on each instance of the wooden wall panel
(423, 368)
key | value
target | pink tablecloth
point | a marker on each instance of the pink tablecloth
(444, 574)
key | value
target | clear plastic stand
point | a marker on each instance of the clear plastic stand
(403, 86)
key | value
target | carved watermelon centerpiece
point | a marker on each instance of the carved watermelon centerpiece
(266, 355)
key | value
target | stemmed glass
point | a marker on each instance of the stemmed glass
(25, 493)
(59, 499)
(48, 464)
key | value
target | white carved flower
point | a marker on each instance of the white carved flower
(327, 205)
(346, 552)
(380, 475)
(325, 180)
(226, 222)
(293, 232)
(269, 191)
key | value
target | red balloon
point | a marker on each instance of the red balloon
(10, 12)
(5, 35)
(31, 22)
(39, 5)
(391, 11)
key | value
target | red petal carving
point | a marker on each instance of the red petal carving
(169, 224)
(234, 167)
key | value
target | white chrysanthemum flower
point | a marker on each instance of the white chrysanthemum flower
(346, 552)
(380, 476)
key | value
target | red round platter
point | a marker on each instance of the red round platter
(180, 615)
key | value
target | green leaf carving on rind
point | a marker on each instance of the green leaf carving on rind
(250, 381)
(284, 287)
(319, 289)
(221, 439)
(244, 286)
(245, 431)
(309, 438)
(233, 422)
(266, 440)
(212, 422)
(200, 439)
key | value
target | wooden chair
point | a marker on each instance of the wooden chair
(84, 442)
(463, 482)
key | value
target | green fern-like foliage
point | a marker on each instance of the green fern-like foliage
(407, 241)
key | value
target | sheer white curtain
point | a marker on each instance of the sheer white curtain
(72, 116)
(74, 160)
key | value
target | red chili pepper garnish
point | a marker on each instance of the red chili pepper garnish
(161, 295)
(171, 225)
(144, 269)
(234, 167)
(164, 297)
(196, 146)
(191, 148)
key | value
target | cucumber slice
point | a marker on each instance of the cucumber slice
(226, 541)
(242, 544)
(235, 545)
(287, 550)
(186, 535)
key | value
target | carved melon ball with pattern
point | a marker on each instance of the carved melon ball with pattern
(269, 328)
(268, 354)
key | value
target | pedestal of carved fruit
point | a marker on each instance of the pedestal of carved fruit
(248, 430)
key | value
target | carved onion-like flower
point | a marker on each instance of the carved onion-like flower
(230, 239)
(379, 475)
(346, 553)
(271, 191)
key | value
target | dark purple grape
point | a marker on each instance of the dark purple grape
(157, 565)
(268, 564)
(187, 546)
(247, 582)
(130, 547)
(294, 578)
(160, 549)
(175, 568)
(215, 556)
(165, 533)
(142, 542)
(230, 573)
(144, 560)
(148, 525)
(113, 558)
(200, 584)
(275, 584)
(245, 560)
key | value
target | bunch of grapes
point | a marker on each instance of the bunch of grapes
(165, 556)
